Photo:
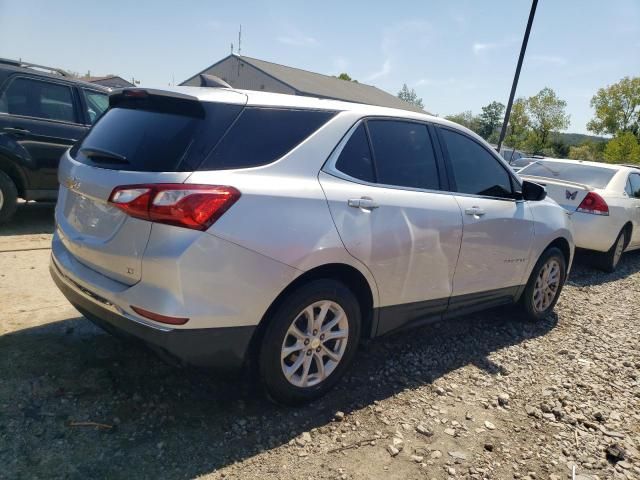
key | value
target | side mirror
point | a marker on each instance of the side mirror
(533, 191)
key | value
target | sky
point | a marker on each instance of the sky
(457, 54)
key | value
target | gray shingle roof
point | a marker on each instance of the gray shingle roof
(318, 85)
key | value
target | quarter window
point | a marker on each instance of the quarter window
(263, 135)
(355, 159)
(33, 98)
(634, 180)
(403, 154)
(97, 103)
(475, 170)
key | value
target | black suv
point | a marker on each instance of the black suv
(43, 111)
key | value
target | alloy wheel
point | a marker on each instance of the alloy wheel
(547, 285)
(314, 343)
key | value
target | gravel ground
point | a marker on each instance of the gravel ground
(485, 396)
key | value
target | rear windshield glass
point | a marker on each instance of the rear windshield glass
(597, 177)
(154, 141)
(263, 135)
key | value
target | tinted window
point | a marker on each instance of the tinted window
(476, 171)
(97, 103)
(597, 177)
(33, 98)
(634, 180)
(153, 140)
(263, 135)
(355, 158)
(403, 154)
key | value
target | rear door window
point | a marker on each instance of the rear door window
(355, 159)
(475, 170)
(262, 135)
(403, 154)
(39, 99)
(155, 139)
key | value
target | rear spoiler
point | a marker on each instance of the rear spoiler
(547, 180)
(156, 100)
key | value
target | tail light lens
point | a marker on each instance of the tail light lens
(159, 318)
(182, 205)
(594, 204)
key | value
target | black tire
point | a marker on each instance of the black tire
(8, 198)
(528, 296)
(272, 377)
(609, 261)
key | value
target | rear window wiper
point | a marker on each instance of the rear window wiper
(101, 155)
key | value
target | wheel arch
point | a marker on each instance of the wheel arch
(628, 227)
(15, 174)
(353, 278)
(563, 245)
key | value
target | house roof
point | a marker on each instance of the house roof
(324, 86)
(107, 80)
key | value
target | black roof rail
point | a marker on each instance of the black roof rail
(18, 63)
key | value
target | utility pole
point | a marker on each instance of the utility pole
(240, 40)
(523, 49)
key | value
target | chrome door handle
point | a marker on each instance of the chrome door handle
(363, 202)
(475, 211)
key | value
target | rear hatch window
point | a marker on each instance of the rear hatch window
(597, 177)
(155, 134)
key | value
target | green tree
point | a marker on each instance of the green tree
(518, 124)
(410, 96)
(491, 119)
(346, 77)
(624, 148)
(617, 108)
(466, 119)
(591, 151)
(547, 114)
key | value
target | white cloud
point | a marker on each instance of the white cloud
(383, 72)
(296, 38)
(483, 47)
(549, 60)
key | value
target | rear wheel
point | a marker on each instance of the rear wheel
(545, 284)
(8, 197)
(608, 261)
(310, 342)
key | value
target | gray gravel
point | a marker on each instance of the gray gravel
(486, 396)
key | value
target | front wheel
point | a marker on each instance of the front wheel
(310, 342)
(545, 284)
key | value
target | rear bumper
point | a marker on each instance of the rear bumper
(594, 232)
(223, 348)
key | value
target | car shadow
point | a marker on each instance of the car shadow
(30, 218)
(181, 423)
(584, 274)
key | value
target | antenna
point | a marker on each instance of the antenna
(240, 41)
(232, 48)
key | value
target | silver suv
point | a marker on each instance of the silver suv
(234, 228)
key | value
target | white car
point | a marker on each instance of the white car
(604, 201)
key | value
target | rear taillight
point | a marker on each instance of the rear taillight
(183, 205)
(159, 318)
(593, 203)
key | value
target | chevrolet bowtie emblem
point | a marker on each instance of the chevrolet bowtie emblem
(72, 183)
